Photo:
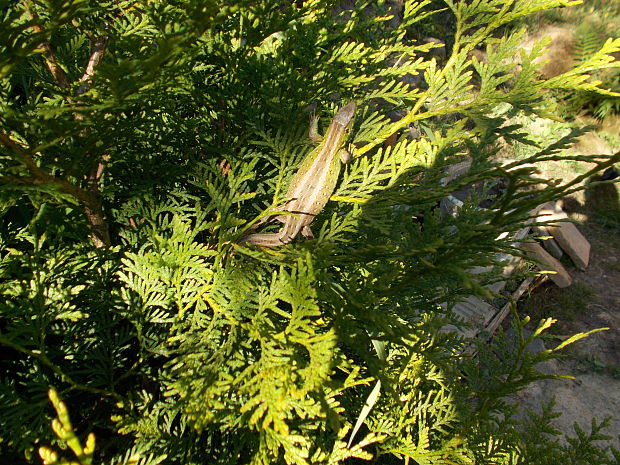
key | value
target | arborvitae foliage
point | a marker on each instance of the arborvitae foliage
(589, 37)
(139, 142)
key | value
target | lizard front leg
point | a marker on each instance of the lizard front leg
(313, 131)
(345, 156)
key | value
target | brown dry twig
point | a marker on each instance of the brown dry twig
(90, 197)
(98, 49)
(48, 54)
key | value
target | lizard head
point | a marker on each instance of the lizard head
(345, 114)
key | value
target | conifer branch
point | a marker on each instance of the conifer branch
(99, 227)
(98, 50)
(91, 197)
(50, 58)
(88, 198)
(41, 357)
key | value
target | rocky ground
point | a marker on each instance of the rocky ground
(593, 300)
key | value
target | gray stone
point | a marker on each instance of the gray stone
(548, 242)
(566, 234)
(545, 262)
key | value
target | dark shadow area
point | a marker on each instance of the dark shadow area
(602, 200)
(601, 205)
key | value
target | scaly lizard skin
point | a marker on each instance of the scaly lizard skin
(312, 186)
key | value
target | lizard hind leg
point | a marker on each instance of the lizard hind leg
(307, 232)
(281, 218)
(267, 219)
(270, 218)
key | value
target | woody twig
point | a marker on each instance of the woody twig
(90, 198)
(48, 54)
(98, 49)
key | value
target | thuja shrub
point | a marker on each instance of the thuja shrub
(140, 142)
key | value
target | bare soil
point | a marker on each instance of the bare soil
(593, 301)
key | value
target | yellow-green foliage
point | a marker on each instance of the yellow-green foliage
(64, 430)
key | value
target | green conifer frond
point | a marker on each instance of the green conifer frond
(588, 40)
(577, 78)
